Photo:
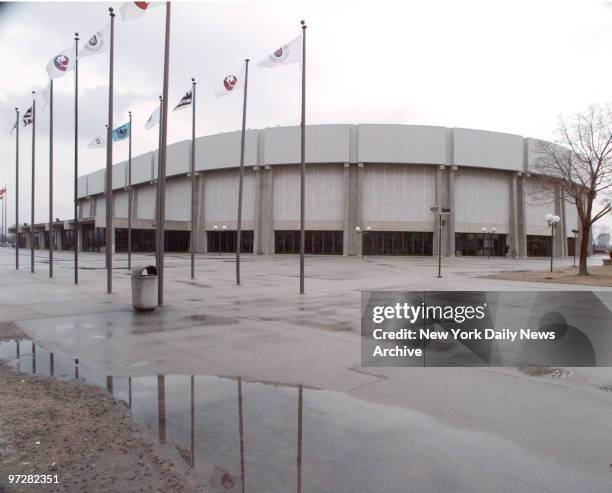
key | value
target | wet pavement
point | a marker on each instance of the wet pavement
(498, 420)
(271, 436)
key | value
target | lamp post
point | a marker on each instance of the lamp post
(484, 232)
(552, 221)
(359, 231)
(575, 231)
(216, 228)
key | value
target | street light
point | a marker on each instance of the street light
(484, 232)
(552, 221)
(440, 211)
(359, 231)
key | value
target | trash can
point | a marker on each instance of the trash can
(144, 288)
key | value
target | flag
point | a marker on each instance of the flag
(43, 97)
(184, 102)
(12, 128)
(96, 143)
(133, 10)
(27, 117)
(289, 53)
(62, 63)
(153, 119)
(96, 45)
(229, 83)
(122, 132)
(2, 191)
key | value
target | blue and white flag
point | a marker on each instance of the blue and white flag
(122, 132)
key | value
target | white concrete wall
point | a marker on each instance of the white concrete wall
(324, 207)
(141, 169)
(402, 144)
(571, 217)
(539, 201)
(86, 208)
(120, 202)
(398, 198)
(482, 149)
(223, 150)
(95, 182)
(178, 199)
(221, 199)
(482, 199)
(100, 211)
(324, 144)
(144, 196)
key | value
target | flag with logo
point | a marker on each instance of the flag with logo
(97, 44)
(229, 83)
(288, 53)
(27, 117)
(62, 63)
(122, 132)
(96, 143)
(153, 119)
(134, 10)
(2, 191)
(185, 101)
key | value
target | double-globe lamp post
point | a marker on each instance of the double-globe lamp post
(552, 221)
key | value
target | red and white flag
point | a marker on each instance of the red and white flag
(62, 63)
(229, 83)
(288, 53)
(97, 44)
(134, 10)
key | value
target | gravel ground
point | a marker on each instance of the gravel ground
(599, 276)
(81, 434)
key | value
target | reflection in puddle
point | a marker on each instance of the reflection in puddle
(240, 435)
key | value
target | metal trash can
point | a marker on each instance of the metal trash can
(144, 288)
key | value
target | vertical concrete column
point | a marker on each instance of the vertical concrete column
(201, 244)
(520, 215)
(563, 232)
(513, 234)
(266, 212)
(450, 219)
(359, 220)
(351, 209)
(257, 211)
(436, 201)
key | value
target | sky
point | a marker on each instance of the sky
(504, 66)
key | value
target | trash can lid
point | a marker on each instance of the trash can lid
(144, 270)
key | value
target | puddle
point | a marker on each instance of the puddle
(267, 437)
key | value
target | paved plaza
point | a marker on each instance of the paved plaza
(265, 331)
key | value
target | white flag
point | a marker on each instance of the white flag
(43, 97)
(229, 83)
(96, 45)
(62, 63)
(153, 119)
(289, 53)
(96, 143)
(133, 10)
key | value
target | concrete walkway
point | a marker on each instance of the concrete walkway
(265, 330)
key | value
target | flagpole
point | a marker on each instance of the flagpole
(17, 190)
(51, 178)
(159, 137)
(303, 159)
(193, 180)
(109, 162)
(130, 196)
(33, 182)
(75, 238)
(241, 179)
(162, 164)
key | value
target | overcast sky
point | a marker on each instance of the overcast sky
(511, 67)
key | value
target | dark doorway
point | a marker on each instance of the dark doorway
(479, 244)
(397, 243)
(316, 242)
(225, 241)
(538, 246)
(143, 240)
(571, 246)
(93, 238)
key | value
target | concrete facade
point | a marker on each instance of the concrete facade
(385, 177)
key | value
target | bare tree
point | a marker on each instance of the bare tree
(580, 164)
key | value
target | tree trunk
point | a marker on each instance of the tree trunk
(585, 238)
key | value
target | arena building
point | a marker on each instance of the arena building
(369, 189)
